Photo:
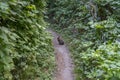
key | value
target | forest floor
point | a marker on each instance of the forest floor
(64, 68)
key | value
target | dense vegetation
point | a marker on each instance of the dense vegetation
(25, 47)
(92, 29)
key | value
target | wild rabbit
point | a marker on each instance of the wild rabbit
(60, 41)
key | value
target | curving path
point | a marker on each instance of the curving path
(63, 60)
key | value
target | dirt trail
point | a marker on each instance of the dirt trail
(63, 60)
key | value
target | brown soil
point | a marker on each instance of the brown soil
(63, 60)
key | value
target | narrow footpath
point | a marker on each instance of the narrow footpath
(63, 61)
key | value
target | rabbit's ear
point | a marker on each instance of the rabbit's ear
(58, 36)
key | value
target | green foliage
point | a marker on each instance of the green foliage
(92, 29)
(102, 63)
(64, 13)
(25, 47)
(105, 31)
